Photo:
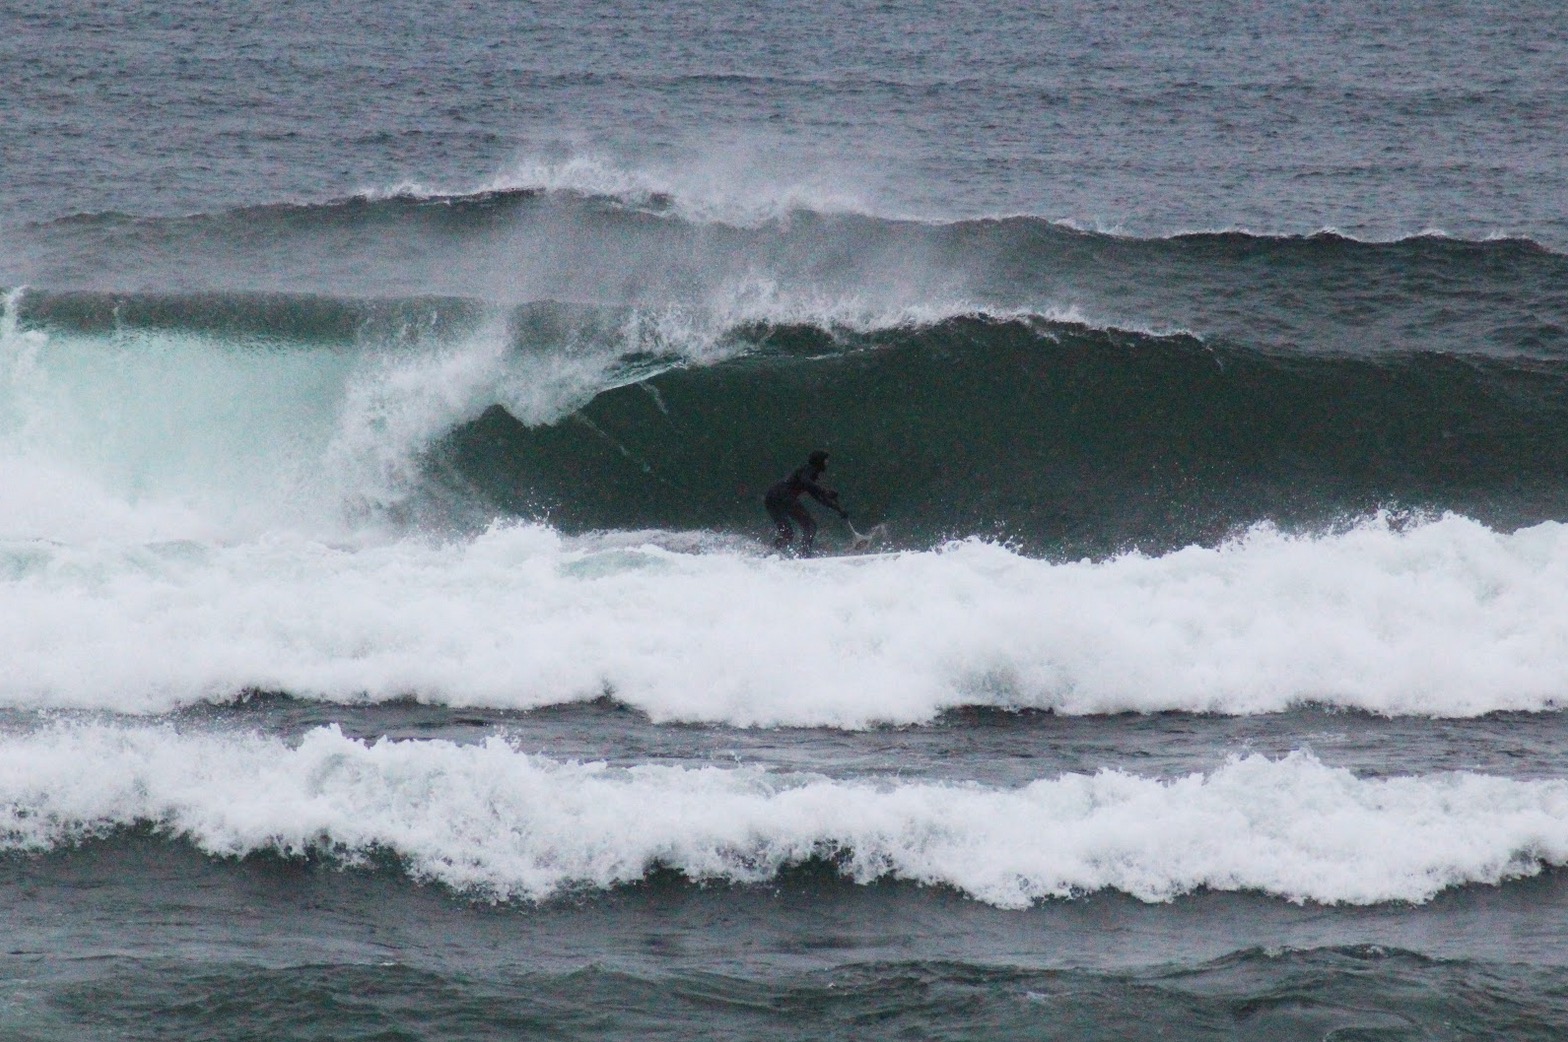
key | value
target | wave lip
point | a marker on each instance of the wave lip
(499, 823)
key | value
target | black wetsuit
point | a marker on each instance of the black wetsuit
(784, 505)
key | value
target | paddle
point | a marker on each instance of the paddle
(863, 540)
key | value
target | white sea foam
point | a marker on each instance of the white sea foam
(495, 821)
(1444, 619)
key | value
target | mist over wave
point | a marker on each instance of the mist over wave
(739, 188)
(1317, 293)
(497, 822)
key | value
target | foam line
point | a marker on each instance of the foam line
(1446, 619)
(494, 821)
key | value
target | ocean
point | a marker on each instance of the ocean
(392, 646)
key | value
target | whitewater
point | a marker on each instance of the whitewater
(1442, 619)
(495, 821)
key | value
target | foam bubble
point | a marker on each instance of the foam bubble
(495, 821)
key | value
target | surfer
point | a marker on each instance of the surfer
(784, 505)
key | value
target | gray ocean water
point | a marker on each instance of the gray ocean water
(388, 645)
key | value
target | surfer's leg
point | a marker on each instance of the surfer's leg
(784, 533)
(808, 527)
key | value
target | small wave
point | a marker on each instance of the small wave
(494, 821)
(506, 196)
(1238, 233)
(636, 248)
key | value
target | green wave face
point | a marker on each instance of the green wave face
(1060, 438)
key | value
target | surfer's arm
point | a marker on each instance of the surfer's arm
(826, 496)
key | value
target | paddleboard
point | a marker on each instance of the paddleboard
(859, 549)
